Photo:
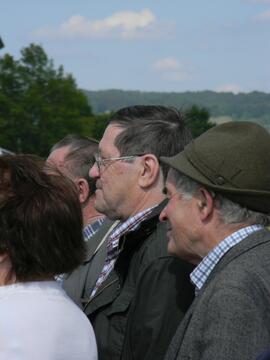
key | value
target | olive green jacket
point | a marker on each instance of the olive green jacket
(136, 310)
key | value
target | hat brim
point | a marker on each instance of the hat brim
(256, 200)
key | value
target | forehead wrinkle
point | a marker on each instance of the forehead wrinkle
(107, 147)
(102, 148)
(107, 152)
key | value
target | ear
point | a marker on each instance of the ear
(83, 189)
(205, 204)
(150, 170)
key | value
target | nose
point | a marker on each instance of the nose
(163, 215)
(94, 171)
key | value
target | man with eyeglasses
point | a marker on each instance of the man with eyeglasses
(139, 296)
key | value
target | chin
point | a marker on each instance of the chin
(103, 209)
(99, 207)
(171, 247)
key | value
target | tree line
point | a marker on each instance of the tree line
(40, 104)
(240, 106)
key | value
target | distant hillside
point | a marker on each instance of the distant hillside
(251, 106)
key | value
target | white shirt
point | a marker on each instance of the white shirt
(38, 321)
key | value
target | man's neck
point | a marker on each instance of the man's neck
(90, 214)
(217, 233)
(146, 202)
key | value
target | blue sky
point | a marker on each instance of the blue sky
(150, 45)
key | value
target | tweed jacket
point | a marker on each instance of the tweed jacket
(230, 318)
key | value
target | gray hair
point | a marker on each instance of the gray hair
(80, 156)
(229, 211)
(157, 130)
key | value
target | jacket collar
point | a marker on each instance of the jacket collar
(252, 241)
(255, 239)
(147, 228)
(95, 240)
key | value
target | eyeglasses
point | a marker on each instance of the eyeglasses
(102, 162)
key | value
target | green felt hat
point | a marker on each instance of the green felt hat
(232, 159)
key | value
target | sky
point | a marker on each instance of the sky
(150, 45)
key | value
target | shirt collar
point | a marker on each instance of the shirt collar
(90, 229)
(131, 223)
(200, 274)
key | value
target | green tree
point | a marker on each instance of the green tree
(198, 120)
(97, 125)
(39, 104)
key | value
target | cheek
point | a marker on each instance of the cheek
(105, 181)
(110, 187)
(173, 239)
(178, 234)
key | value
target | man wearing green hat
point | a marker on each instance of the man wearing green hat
(218, 210)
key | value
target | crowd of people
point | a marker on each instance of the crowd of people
(148, 245)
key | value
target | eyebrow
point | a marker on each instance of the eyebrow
(99, 154)
(102, 154)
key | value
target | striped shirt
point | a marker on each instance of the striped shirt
(200, 274)
(113, 249)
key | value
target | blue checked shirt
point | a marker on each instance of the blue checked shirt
(200, 274)
(113, 250)
(91, 229)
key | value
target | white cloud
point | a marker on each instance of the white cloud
(233, 88)
(124, 24)
(166, 64)
(264, 16)
(171, 69)
(176, 76)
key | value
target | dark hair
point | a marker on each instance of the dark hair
(158, 130)
(80, 157)
(40, 219)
